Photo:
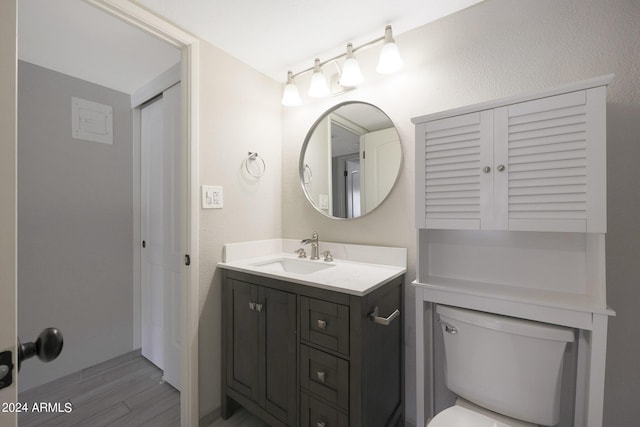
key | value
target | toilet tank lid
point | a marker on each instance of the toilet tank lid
(506, 324)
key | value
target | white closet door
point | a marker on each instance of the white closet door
(153, 232)
(162, 212)
(175, 206)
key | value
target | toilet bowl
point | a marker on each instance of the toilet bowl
(466, 414)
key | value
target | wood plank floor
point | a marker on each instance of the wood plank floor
(125, 391)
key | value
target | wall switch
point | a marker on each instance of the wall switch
(324, 201)
(211, 197)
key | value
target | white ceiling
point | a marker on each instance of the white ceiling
(77, 39)
(272, 36)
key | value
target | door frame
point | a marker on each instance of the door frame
(8, 197)
(189, 45)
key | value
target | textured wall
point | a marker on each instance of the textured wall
(239, 112)
(75, 219)
(495, 49)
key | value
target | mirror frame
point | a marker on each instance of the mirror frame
(303, 150)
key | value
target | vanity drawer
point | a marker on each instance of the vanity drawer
(314, 413)
(325, 375)
(325, 324)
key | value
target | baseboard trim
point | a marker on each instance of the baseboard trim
(208, 419)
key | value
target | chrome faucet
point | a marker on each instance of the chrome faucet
(314, 245)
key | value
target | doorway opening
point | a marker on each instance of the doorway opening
(74, 211)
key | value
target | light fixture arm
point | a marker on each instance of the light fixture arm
(342, 55)
(350, 73)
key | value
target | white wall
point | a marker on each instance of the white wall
(75, 219)
(492, 50)
(239, 112)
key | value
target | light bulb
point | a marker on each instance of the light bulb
(318, 88)
(390, 60)
(290, 95)
(351, 74)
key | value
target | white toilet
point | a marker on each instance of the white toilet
(505, 371)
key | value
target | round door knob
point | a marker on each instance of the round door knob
(47, 347)
(486, 169)
(500, 168)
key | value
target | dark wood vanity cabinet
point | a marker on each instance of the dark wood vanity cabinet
(296, 355)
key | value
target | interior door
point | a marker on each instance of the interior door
(8, 225)
(380, 163)
(161, 221)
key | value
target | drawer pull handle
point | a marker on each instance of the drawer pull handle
(321, 424)
(383, 320)
(255, 306)
(321, 376)
(322, 324)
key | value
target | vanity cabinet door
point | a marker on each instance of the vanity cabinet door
(242, 339)
(279, 377)
(261, 348)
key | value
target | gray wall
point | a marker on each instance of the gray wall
(491, 50)
(75, 224)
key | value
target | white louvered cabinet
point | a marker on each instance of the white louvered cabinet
(528, 163)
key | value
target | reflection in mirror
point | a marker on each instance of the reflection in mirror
(350, 160)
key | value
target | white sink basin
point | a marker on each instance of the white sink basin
(290, 265)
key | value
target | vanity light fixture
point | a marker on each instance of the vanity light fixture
(318, 88)
(351, 76)
(291, 96)
(390, 60)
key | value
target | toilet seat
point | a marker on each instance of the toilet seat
(466, 414)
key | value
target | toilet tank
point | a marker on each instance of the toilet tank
(508, 365)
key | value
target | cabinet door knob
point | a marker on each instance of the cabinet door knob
(486, 169)
(500, 168)
(322, 324)
(258, 307)
(252, 306)
(322, 424)
(321, 376)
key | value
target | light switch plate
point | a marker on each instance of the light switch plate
(212, 197)
(324, 201)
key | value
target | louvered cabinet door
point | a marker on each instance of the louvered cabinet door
(554, 157)
(457, 193)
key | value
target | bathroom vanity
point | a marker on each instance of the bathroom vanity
(511, 219)
(313, 343)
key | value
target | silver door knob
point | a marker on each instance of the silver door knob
(321, 376)
(322, 324)
(486, 169)
(321, 424)
(500, 168)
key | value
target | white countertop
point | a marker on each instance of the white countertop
(357, 269)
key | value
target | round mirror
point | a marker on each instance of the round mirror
(350, 160)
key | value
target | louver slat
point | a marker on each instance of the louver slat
(452, 166)
(548, 161)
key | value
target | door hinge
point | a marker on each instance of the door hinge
(364, 154)
(187, 260)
